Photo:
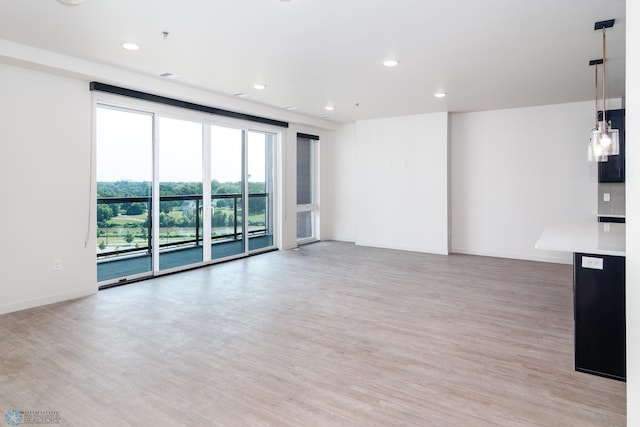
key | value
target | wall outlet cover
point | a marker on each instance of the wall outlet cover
(593, 263)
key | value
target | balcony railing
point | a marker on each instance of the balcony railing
(130, 233)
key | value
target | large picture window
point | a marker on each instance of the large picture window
(154, 212)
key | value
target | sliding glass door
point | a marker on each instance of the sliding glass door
(124, 147)
(260, 146)
(180, 188)
(227, 192)
(156, 214)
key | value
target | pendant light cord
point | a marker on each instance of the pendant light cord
(604, 80)
(597, 93)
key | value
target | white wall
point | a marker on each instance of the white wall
(402, 179)
(338, 184)
(633, 212)
(286, 220)
(45, 141)
(513, 171)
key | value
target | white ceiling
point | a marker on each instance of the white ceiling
(486, 54)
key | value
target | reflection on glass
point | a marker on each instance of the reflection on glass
(180, 172)
(303, 225)
(304, 172)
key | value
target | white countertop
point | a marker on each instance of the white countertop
(587, 237)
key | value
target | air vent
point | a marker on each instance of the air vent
(169, 75)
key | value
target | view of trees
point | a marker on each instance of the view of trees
(127, 224)
(124, 189)
(143, 189)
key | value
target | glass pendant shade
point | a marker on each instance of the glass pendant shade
(595, 152)
(595, 149)
(611, 142)
(604, 141)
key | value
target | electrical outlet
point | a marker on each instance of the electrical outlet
(606, 197)
(592, 263)
(57, 265)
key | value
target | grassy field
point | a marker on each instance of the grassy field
(121, 220)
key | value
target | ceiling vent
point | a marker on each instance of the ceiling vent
(169, 75)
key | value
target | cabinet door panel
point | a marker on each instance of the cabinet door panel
(599, 308)
(613, 169)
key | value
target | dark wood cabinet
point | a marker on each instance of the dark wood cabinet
(599, 310)
(613, 169)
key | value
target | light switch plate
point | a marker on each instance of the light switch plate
(593, 263)
(606, 197)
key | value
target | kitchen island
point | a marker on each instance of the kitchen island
(601, 238)
(599, 292)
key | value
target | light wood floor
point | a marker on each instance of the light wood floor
(330, 335)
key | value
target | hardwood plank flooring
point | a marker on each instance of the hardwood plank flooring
(332, 334)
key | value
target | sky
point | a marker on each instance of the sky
(125, 149)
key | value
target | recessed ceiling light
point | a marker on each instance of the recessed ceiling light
(130, 46)
(259, 86)
(390, 63)
(70, 2)
(240, 94)
(289, 107)
(329, 108)
(440, 94)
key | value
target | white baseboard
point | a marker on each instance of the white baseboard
(403, 248)
(561, 258)
(37, 302)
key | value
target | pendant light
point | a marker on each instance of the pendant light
(596, 151)
(604, 140)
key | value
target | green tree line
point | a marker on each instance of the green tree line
(143, 189)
